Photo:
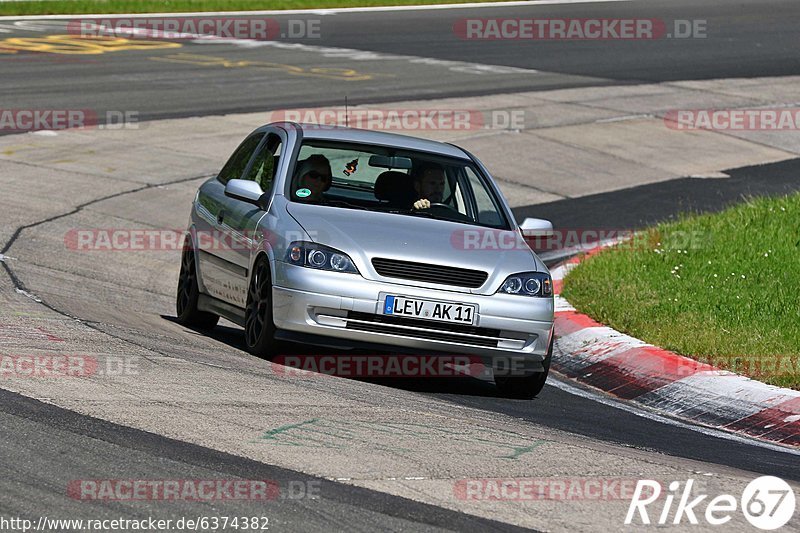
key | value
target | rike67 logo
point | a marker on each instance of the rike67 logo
(767, 502)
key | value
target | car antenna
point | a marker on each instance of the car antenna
(345, 112)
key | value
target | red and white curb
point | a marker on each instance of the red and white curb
(671, 384)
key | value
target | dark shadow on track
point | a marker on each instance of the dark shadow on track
(231, 336)
(467, 385)
(558, 409)
(646, 205)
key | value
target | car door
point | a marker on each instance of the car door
(239, 223)
(217, 273)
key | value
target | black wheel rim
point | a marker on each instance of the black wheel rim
(257, 302)
(186, 281)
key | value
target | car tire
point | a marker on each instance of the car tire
(259, 328)
(188, 294)
(527, 387)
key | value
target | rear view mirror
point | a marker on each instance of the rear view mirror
(536, 227)
(244, 190)
(385, 161)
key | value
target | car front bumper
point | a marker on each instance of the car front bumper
(512, 329)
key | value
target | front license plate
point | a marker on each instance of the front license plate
(430, 310)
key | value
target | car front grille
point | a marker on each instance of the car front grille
(443, 275)
(424, 329)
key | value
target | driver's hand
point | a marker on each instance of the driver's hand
(422, 204)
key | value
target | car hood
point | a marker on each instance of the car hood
(364, 235)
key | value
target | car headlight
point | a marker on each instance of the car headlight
(321, 257)
(528, 284)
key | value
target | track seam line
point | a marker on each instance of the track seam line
(20, 286)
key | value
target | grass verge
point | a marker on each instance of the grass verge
(722, 288)
(51, 7)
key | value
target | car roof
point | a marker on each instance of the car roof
(341, 133)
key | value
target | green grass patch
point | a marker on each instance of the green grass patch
(722, 288)
(51, 7)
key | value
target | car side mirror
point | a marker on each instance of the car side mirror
(536, 227)
(245, 190)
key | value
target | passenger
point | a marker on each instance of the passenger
(429, 185)
(313, 177)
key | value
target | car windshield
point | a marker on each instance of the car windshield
(378, 178)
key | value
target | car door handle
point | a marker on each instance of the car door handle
(220, 217)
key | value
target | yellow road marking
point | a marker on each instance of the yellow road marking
(14, 148)
(74, 45)
(315, 72)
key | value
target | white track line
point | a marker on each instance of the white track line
(317, 11)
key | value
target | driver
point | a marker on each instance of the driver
(429, 185)
(313, 178)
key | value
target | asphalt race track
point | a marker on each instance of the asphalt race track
(755, 39)
(36, 434)
(384, 454)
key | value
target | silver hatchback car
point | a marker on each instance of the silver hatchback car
(359, 239)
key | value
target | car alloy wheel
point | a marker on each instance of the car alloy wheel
(259, 329)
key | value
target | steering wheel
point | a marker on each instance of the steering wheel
(451, 212)
(440, 204)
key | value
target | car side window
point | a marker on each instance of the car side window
(235, 166)
(265, 164)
